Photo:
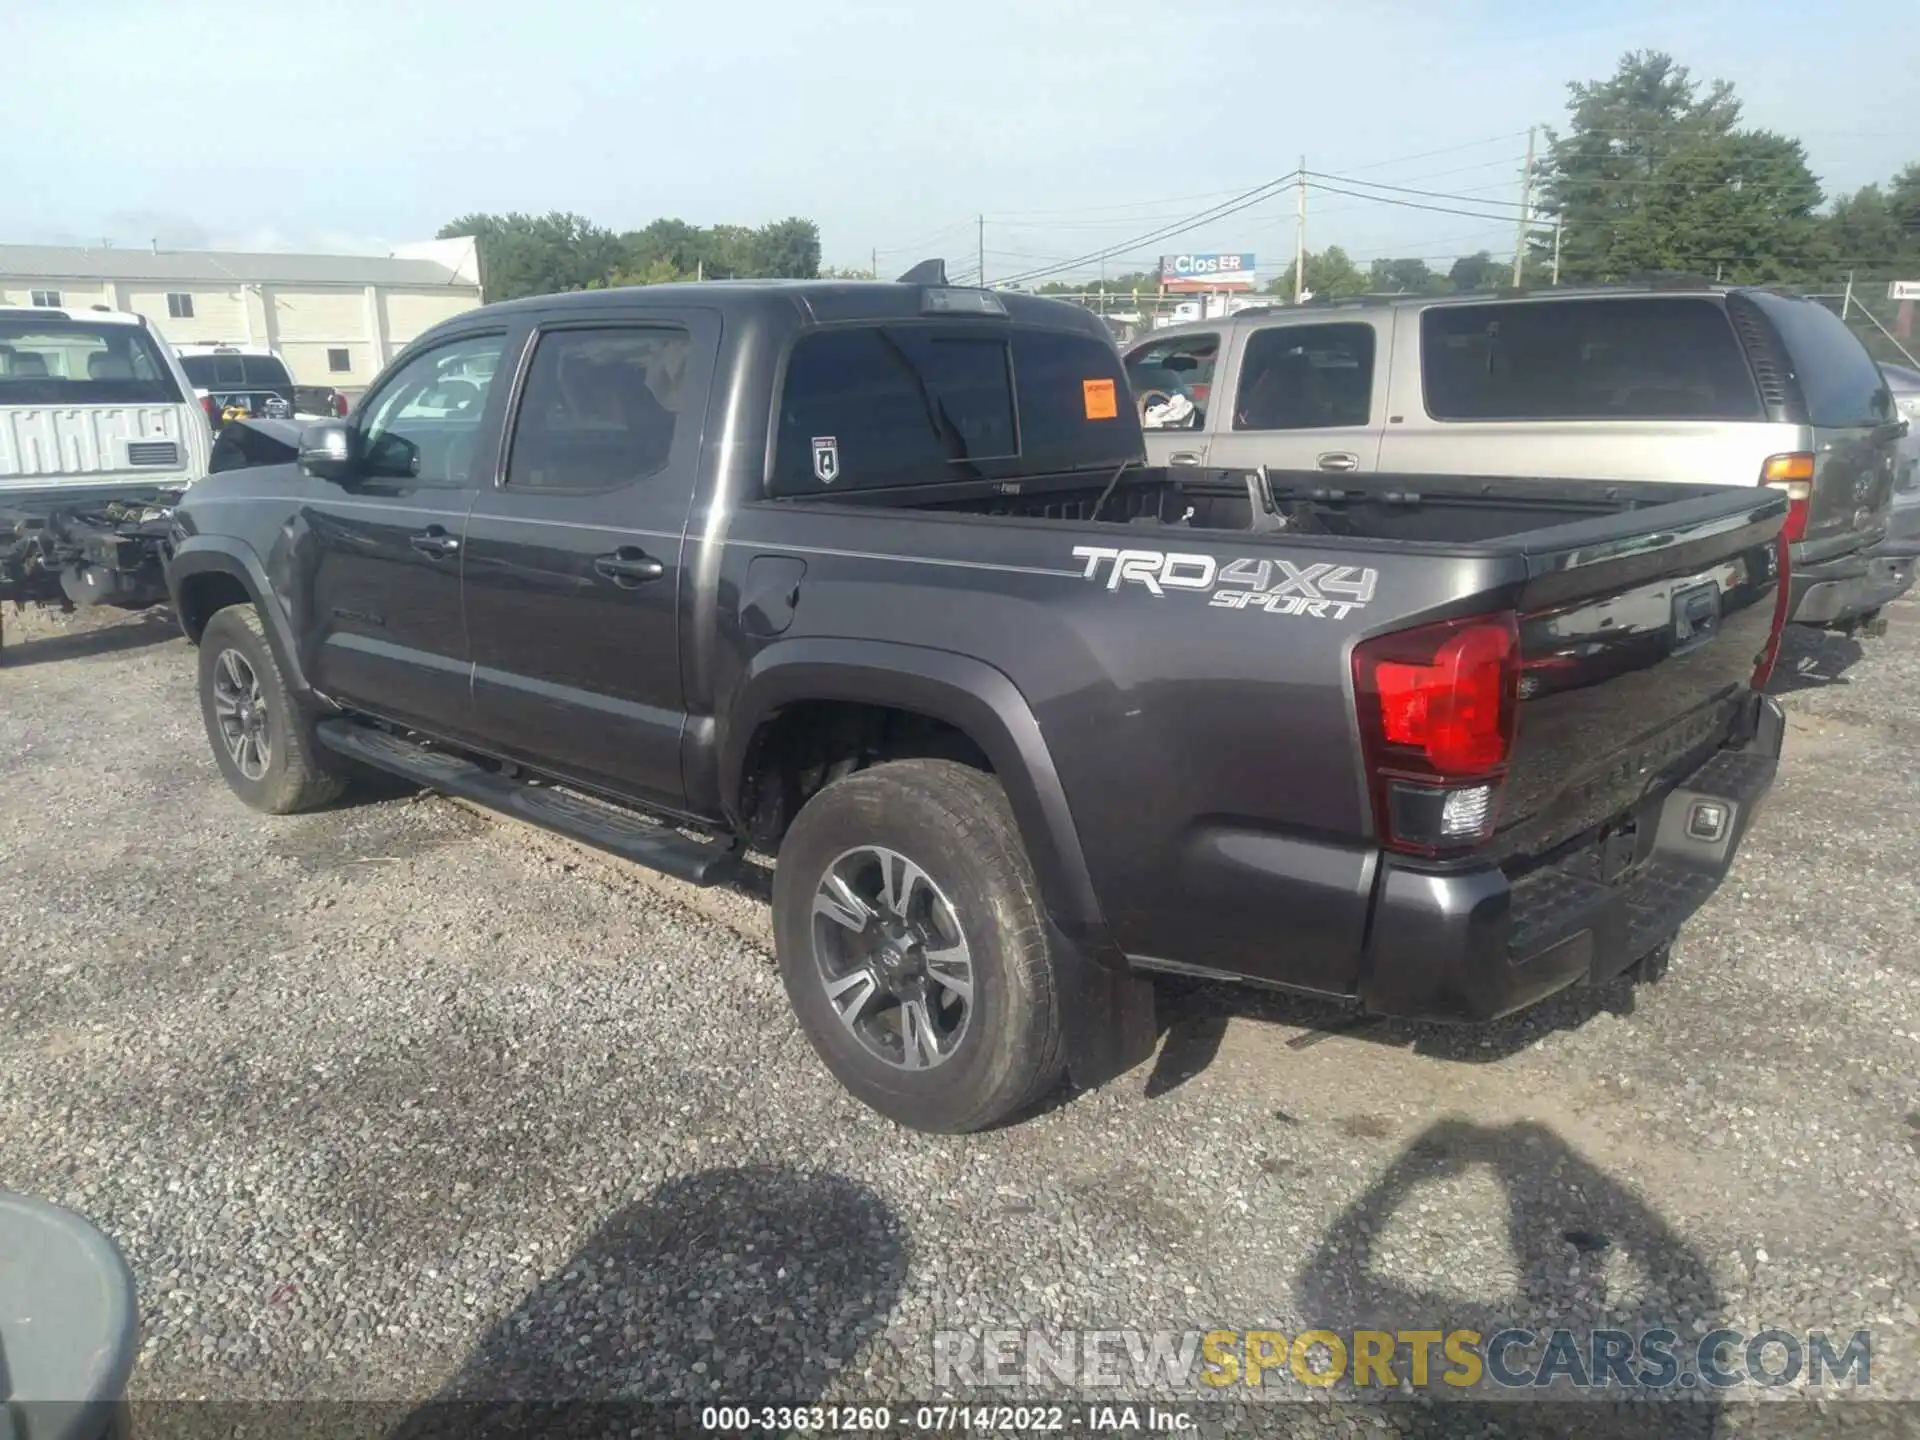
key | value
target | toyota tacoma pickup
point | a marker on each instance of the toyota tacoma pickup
(873, 578)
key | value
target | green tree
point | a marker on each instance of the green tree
(1146, 282)
(1329, 275)
(654, 272)
(1740, 207)
(1875, 232)
(1479, 271)
(787, 249)
(1404, 277)
(1609, 164)
(679, 244)
(537, 254)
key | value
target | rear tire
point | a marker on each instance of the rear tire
(263, 740)
(881, 1000)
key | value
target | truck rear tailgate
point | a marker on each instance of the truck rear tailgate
(1636, 655)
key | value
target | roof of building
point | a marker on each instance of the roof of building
(63, 262)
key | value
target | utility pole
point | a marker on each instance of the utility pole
(1526, 210)
(1300, 232)
(873, 263)
(981, 280)
(1559, 222)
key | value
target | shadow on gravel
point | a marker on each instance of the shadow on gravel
(1565, 1220)
(151, 628)
(727, 1284)
(1811, 659)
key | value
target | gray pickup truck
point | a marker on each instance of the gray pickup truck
(873, 577)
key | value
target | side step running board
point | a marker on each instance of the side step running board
(618, 832)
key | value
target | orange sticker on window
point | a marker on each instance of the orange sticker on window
(1102, 403)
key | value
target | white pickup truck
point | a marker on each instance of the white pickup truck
(99, 433)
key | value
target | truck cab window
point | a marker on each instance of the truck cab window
(423, 425)
(600, 408)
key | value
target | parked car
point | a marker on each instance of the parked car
(97, 431)
(1689, 385)
(874, 577)
(234, 382)
(1903, 381)
(320, 401)
(1903, 521)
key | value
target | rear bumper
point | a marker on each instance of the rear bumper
(1834, 592)
(1476, 945)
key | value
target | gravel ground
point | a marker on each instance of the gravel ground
(398, 1102)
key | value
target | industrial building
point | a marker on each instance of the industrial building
(335, 319)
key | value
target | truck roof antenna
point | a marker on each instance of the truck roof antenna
(927, 272)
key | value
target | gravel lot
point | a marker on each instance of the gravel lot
(395, 1101)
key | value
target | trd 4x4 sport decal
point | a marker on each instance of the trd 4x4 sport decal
(1279, 587)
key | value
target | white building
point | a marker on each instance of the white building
(335, 319)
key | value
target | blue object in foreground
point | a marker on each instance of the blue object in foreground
(69, 1325)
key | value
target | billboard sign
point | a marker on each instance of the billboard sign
(1904, 290)
(1207, 272)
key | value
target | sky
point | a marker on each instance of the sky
(1071, 127)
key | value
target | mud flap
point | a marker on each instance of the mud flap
(1107, 1012)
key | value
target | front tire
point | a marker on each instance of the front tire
(910, 938)
(262, 739)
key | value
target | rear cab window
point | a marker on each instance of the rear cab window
(1639, 358)
(1839, 380)
(881, 406)
(208, 372)
(48, 361)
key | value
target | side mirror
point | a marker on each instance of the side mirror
(327, 450)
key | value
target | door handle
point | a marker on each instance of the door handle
(629, 566)
(1338, 460)
(1184, 457)
(435, 543)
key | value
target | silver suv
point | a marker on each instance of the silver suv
(1716, 384)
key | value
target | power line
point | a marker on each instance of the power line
(1099, 209)
(1414, 204)
(1245, 200)
(939, 234)
(1409, 190)
(1447, 150)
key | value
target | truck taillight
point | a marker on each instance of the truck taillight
(1763, 671)
(1437, 707)
(1792, 476)
(213, 410)
(339, 404)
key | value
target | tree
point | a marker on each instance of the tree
(1404, 277)
(1608, 166)
(1875, 232)
(1478, 271)
(537, 255)
(789, 249)
(1147, 282)
(654, 272)
(1740, 207)
(675, 242)
(1329, 275)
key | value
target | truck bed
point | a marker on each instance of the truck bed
(1207, 657)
